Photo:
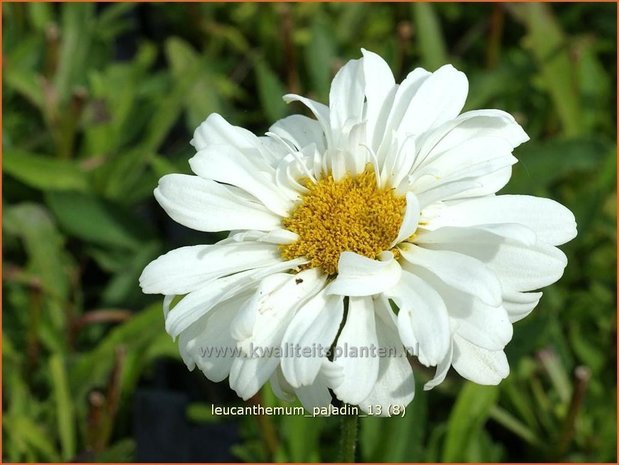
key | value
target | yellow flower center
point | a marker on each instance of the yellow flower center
(352, 214)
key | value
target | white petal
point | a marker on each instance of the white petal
(395, 385)
(405, 93)
(167, 303)
(411, 218)
(359, 333)
(439, 98)
(314, 396)
(228, 165)
(473, 158)
(361, 276)
(208, 341)
(248, 375)
(459, 271)
(484, 325)
(476, 145)
(379, 84)
(199, 302)
(290, 173)
(422, 313)
(320, 111)
(346, 96)
(449, 190)
(315, 325)
(317, 395)
(515, 232)
(280, 386)
(441, 370)
(551, 221)
(520, 304)
(277, 236)
(273, 306)
(479, 365)
(185, 269)
(187, 345)
(206, 205)
(399, 161)
(469, 138)
(357, 154)
(300, 131)
(471, 125)
(273, 148)
(244, 325)
(519, 267)
(486, 176)
(482, 234)
(216, 130)
(489, 184)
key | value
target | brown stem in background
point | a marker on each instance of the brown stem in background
(497, 21)
(405, 34)
(582, 375)
(32, 337)
(103, 406)
(104, 315)
(69, 123)
(15, 274)
(94, 419)
(52, 45)
(266, 427)
(114, 385)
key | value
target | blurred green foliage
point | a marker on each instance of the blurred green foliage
(99, 101)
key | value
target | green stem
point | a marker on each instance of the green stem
(348, 439)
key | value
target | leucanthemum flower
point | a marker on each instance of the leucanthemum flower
(375, 224)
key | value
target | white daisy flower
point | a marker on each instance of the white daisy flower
(375, 225)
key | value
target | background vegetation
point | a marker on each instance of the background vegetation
(100, 100)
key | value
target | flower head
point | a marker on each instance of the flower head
(372, 230)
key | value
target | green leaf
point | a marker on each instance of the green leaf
(381, 437)
(270, 92)
(162, 166)
(319, 56)
(123, 284)
(43, 243)
(42, 172)
(204, 97)
(430, 37)
(302, 438)
(114, 20)
(170, 106)
(595, 85)
(96, 220)
(41, 14)
(33, 435)
(137, 335)
(467, 419)
(201, 413)
(64, 406)
(548, 44)
(76, 38)
(21, 77)
(120, 452)
(542, 163)
(507, 420)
